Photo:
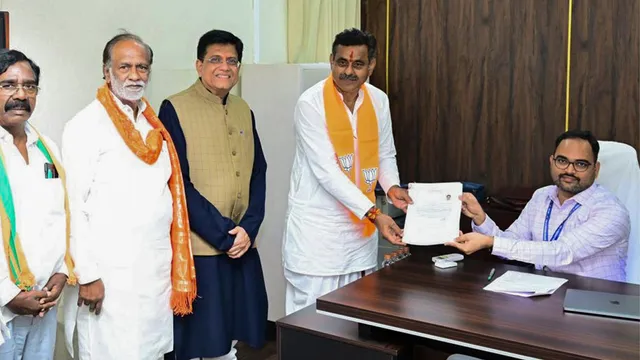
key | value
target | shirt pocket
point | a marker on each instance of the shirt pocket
(51, 197)
(50, 205)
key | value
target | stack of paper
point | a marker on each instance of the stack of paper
(434, 216)
(524, 284)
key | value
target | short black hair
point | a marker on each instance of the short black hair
(220, 37)
(9, 57)
(108, 48)
(580, 134)
(355, 37)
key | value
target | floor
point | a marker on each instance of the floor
(268, 352)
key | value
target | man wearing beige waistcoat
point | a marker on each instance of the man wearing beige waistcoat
(224, 175)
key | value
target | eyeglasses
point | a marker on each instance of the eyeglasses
(563, 163)
(218, 60)
(10, 88)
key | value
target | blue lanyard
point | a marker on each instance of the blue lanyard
(556, 234)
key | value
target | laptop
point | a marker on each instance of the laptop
(602, 303)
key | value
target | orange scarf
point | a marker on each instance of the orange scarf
(183, 272)
(360, 161)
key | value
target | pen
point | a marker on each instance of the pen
(493, 271)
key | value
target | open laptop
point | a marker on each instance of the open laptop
(602, 303)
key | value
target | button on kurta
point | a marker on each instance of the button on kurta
(238, 173)
(233, 153)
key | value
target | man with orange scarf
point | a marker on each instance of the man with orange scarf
(344, 147)
(130, 233)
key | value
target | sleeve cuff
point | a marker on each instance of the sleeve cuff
(486, 227)
(87, 275)
(387, 187)
(501, 246)
(63, 269)
(8, 290)
(364, 213)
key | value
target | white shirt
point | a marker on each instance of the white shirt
(40, 215)
(320, 238)
(121, 214)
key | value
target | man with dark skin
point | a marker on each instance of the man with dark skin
(33, 217)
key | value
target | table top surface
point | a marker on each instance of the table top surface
(451, 303)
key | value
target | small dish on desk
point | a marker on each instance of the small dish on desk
(444, 264)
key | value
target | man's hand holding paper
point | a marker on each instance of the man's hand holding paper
(434, 216)
(399, 197)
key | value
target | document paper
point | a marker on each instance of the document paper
(434, 216)
(525, 284)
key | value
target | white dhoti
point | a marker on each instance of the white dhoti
(303, 290)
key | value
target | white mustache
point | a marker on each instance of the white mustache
(134, 83)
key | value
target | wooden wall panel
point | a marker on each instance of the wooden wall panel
(373, 19)
(476, 87)
(605, 69)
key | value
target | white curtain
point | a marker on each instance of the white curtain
(313, 24)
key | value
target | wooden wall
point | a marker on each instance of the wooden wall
(605, 69)
(478, 87)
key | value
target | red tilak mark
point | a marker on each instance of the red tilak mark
(351, 56)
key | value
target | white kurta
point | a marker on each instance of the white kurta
(320, 239)
(40, 216)
(121, 211)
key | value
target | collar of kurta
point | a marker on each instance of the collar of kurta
(208, 95)
(142, 106)
(32, 137)
(581, 198)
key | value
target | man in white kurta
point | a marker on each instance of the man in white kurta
(121, 212)
(322, 247)
(28, 327)
(40, 220)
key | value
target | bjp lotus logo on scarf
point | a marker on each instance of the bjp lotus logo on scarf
(370, 176)
(346, 161)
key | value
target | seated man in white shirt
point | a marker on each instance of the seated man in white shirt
(344, 146)
(574, 226)
(34, 219)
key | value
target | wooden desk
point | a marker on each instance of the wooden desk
(308, 335)
(449, 305)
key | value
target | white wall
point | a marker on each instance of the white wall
(66, 37)
(275, 127)
(270, 25)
